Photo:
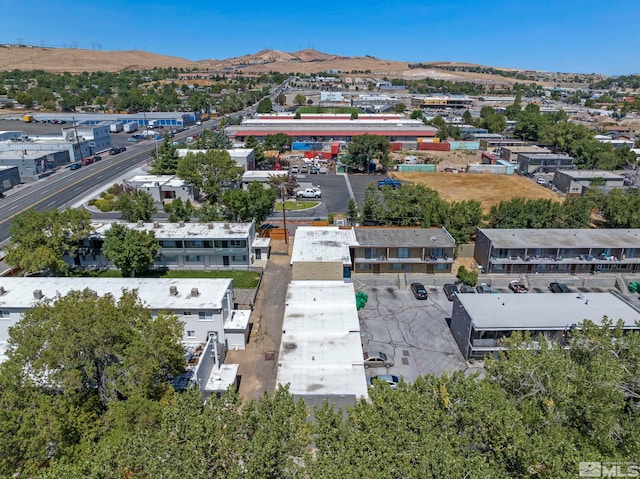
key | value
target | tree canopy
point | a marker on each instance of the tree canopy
(132, 251)
(165, 158)
(40, 239)
(209, 171)
(265, 106)
(541, 213)
(366, 148)
(254, 203)
(136, 205)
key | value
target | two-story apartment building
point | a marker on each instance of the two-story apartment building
(402, 250)
(571, 251)
(480, 323)
(185, 245)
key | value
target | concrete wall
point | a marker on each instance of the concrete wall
(320, 270)
(460, 327)
(9, 177)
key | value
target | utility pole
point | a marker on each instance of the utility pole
(283, 188)
(75, 129)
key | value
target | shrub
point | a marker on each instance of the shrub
(104, 205)
(467, 277)
(92, 202)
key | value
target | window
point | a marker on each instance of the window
(397, 267)
(238, 243)
(364, 267)
(442, 266)
(221, 243)
(403, 252)
(166, 259)
(186, 313)
(208, 244)
(193, 244)
(191, 334)
(192, 258)
(5, 314)
(370, 253)
(204, 315)
(240, 258)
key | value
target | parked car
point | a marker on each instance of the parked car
(87, 161)
(559, 288)
(450, 291)
(117, 149)
(377, 360)
(309, 193)
(419, 291)
(295, 169)
(390, 379)
(322, 170)
(75, 166)
(304, 169)
(518, 287)
(466, 289)
(97, 158)
(314, 170)
(388, 182)
(542, 181)
(483, 288)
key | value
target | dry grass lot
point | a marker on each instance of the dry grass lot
(487, 188)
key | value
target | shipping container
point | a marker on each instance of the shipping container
(417, 168)
(494, 169)
(464, 145)
(395, 146)
(116, 127)
(444, 146)
(130, 127)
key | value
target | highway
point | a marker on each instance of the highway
(64, 187)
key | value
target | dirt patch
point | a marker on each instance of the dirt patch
(487, 188)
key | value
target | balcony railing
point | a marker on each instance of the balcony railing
(414, 260)
(580, 259)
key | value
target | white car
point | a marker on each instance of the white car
(322, 170)
(375, 360)
(309, 193)
(295, 169)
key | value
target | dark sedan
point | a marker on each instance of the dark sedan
(419, 290)
(450, 291)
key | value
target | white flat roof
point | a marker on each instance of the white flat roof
(189, 230)
(262, 174)
(321, 350)
(563, 238)
(325, 243)
(221, 378)
(544, 311)
(153, 292)
(239, 319)
(22, 153)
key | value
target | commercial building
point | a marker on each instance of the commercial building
(510, 153)
(9, 177)
(321, 352)
(161, 118)
(244, 157)
(544, 162)
(260, 176)
(403, 250)
(481, 322)
(568, 251)
(163, 187)
(576, 182)
(33, 164)
(185, 245)
(328, 128)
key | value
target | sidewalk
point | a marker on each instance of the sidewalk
(259, 361)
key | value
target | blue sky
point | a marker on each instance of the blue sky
(554, 35)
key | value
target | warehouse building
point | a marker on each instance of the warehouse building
(576, 182)
(9, 177)
(544, 162)
(481, 322)
(33, 164)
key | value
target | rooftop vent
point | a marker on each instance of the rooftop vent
(181, 224)
(2, 291)
(433, 238)
(37, 294)
(210, 226)
(140, 223)
(156, 224)
(194, 292)
(173, 291)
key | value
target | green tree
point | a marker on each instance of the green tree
(179, 210)
(399, 107)
(252, 142)
(39, 240)
(130, 250)
(281, 99)
(353, 212)
(280, 142)
(165, 158)
(417, 115)
(468, 277)
(209, 171)
(467, 118)
(366, 148)
(136, 205)
(254, 203)
(76, 361)
(299, 100)
(220, 140)
(265, 106)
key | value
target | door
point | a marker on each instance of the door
(225, 260)
(258, 254)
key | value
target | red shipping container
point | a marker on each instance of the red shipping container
(309, 154)
(444, 146)
(395, 146)
(326, 154)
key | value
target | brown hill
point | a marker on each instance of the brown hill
(59, 60)
(312, 55)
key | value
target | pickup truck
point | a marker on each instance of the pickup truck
(309, 193)
(388, 182)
